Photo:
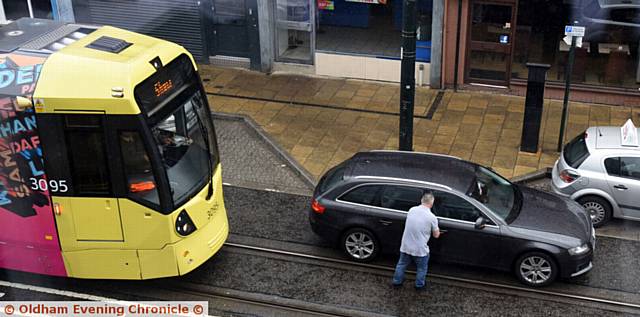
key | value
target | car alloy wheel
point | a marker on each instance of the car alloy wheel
(360, 244)
(536, 269)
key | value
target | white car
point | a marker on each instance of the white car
(600, 169)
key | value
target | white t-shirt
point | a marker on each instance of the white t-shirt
(417, 231)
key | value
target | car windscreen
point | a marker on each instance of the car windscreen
(575, 152)
(496, 193)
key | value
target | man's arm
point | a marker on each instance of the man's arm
(435, 230)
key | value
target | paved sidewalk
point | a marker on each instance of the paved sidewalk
(362, 115)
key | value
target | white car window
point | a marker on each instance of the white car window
(630, 167)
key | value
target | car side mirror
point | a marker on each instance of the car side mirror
(480, 223)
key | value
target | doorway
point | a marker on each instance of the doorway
(235, 29)
(490, 46)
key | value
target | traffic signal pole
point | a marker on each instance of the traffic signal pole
(407, 74)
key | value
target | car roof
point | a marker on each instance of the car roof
(435, 168)
(609, 138)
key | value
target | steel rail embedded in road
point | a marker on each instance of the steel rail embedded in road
(444, 277)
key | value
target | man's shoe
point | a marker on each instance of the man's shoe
(420, 289)
(396, 286)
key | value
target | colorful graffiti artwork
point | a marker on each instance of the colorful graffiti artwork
(26, 216)
(20, 152)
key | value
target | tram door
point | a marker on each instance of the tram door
(94, 210)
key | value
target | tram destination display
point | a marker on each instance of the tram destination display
(165, 84)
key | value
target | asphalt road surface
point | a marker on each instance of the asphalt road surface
(283, 217)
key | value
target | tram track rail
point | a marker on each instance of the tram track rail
(246, 302)
(539, 293)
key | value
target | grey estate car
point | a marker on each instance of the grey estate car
(361, 204)
(600, 173)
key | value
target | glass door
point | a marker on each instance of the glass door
(295, 38)
(490, 42)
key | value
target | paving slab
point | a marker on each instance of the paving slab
(490, 124)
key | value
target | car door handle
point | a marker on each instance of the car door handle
(385, 222)
(443, 230)
(621, 187)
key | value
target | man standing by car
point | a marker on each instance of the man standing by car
(420, 225)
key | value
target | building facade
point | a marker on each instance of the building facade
(44, 9)
(499, 37)
(481, 44)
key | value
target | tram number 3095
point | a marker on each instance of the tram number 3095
(56, 186)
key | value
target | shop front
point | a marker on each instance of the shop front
(362, 39)
(11, 10)
(498, 38)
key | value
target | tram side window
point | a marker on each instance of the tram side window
(87, 153)
(141, 183)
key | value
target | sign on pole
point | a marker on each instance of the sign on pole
(574, 31)
(573, 36)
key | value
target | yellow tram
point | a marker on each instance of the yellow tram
(109, 165)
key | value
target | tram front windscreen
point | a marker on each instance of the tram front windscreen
(179, 119)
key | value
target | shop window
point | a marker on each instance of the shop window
(294, 30)
(15, 9)
(370, 27)
(609, 54)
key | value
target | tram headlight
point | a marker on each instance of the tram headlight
(184, 224)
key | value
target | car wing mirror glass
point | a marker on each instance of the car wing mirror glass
(480, 223)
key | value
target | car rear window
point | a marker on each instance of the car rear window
(575, 152)
(332, 177)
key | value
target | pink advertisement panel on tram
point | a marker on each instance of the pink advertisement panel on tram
(28, 236)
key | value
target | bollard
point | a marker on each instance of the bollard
(533, 107)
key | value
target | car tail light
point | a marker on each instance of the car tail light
(184, 224)
(317, 208)
(568, 176)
